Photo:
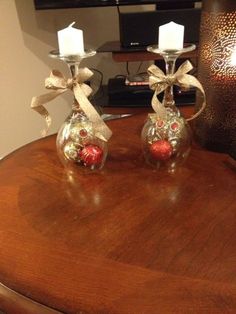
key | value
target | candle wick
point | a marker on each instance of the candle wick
(71, 24)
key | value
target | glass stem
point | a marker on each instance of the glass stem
(74, 70)
(168, 99)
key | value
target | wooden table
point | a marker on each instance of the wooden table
(127, 240)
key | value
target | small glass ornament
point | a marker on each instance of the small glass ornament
(77, 144)
(166, 141)
(166, 135)
(82, 139)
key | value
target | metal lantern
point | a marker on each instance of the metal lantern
(216, 127)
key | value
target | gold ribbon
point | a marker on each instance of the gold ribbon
(59, 84)
(158, 82)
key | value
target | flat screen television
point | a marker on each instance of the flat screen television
(63, 4)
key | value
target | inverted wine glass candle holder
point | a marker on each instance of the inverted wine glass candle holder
(82, 139)
(166, 135)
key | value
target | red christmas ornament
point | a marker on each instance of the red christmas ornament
(174, 126)
(91, 155)
(161, 150)
(83, 133)
(160, 124)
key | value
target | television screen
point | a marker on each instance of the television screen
(63, 4)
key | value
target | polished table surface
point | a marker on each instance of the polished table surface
(128, 239)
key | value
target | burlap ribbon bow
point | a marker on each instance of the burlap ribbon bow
(158, 82)
(58, 85)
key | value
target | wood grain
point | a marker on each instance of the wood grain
(128, 239)
(13, 303)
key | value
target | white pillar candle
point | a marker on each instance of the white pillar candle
(171, 36)
(70, 41)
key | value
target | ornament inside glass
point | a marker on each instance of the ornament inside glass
(166, 142)
(77, 144)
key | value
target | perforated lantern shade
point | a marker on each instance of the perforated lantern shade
(216, 127)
